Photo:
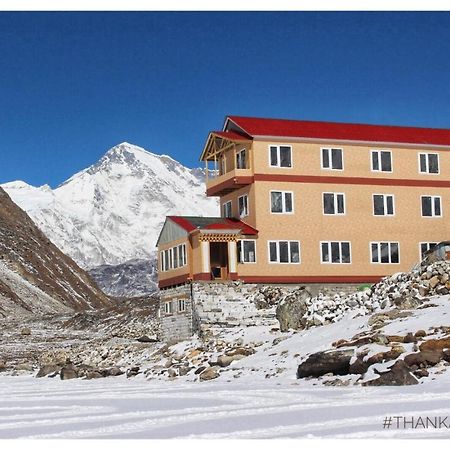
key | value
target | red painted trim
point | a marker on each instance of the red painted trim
(351, 180)
(233, 276)
(173, 281)
(202, 277)
(231, 183)
(313, 279)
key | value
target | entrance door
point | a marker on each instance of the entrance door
(219, 259)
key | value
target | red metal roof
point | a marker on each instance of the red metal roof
(231, 135)
(212, 223)
(341, 131)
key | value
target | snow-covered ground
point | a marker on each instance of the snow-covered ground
(121, 408)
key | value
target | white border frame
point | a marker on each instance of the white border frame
(384, 205)
(335, 204)
(248, 206)
(278, 156)
(379, 160)
(231, 209)
(433, 216)
(289, 249)
(256, 256)
(427, 163)
(379, 253)
(283, 203)
(330, 158)
(340, 250)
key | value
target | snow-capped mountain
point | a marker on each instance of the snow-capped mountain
(113, 211)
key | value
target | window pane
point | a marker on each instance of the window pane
(386, 162)
(378, 205)
(180, 255)
(284, 251)
(426, 206)
(249, 251)
(288, 201)
(295, 252)
(345, 249)
(273, 251)
(285, 156)
(243, 206)
(394, 253)
(241, 160)
(340, 204)
(276, 202)
(328, 203)
(384, 252)
(175, 257)
(423, 248)
(423, 163)
(390, 205)
(336, 158)
(166, 259)
(375, 164)
(433, 163)
(325, 252)
(273, 156)
(335, 252)
(325, 158)
(437, 206)
(375, 257)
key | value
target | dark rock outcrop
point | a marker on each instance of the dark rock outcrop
(336, 362)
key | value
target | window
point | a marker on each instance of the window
(281, 202)
(173, 258)
(332, 158)
(428, 163)
(383, 205)
(335, 252)
(247, 251)
(222, 165)
(280, 156)
(228, 209)
(381, 161)
(168, 307)
(333, 203)
(431, 206)
(181, 305)
(425, 246)
(243, 206)
(284, 252)
(385, 252)
(241, 159)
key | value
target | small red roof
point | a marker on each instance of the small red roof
(189, 224)
(254, 126)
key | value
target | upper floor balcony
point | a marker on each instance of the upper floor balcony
(228, 161)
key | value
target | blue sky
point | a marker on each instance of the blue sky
(73, 85)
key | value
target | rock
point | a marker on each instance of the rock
(68, 372)
(336, 382)
(2, 365)
(209, 374)
(24, 366)
(420, 373)
(25, 331)
(112, 372)
(406, 302)
(277, 340)
(434, 281)
(446, 355)
(199, 370)
(240, 351)
(409, 338)
(390, 355)
(397, 375)
(435, 344)
(336, 362)
(93, 374)
(172, 373)
(48, 369)
(225, 360)
(420, 333)
(133, 371)
(359, 366)
(292, 308)
(183, 370)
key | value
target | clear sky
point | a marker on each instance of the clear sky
(73, 85)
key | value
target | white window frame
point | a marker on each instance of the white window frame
(238, 153)
(380, 170)
(330, 159)
(229, 202)
(247, 204)
(277, 166)
(379, 251)
(181, 305)
(384, 205)
(168, 308)
(277, 242)
(433, 209)
(340, 252)
(181, 255)
(335, 194)
(242, 253)
(283, 202)
(428, 247)
(427, 163)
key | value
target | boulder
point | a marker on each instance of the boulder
(420, 373)
(435, 344)
(390, 355)
(133, 371)
(93, 374)
(48, 369)
(397, 375)
(291, 309)
(112, 372)
(225, 360)
(2, 365)
(209, 374)
(420, 333)
(423, 358)
(147, 339)
(359, 366)
(68, 372)
(336, 362)
(241, 351)
(199, 370)
(25, 331)
(184, 370)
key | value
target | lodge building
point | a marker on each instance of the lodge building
(312, 202)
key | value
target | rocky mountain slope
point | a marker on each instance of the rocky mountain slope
(112, 212)
(35, 276)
